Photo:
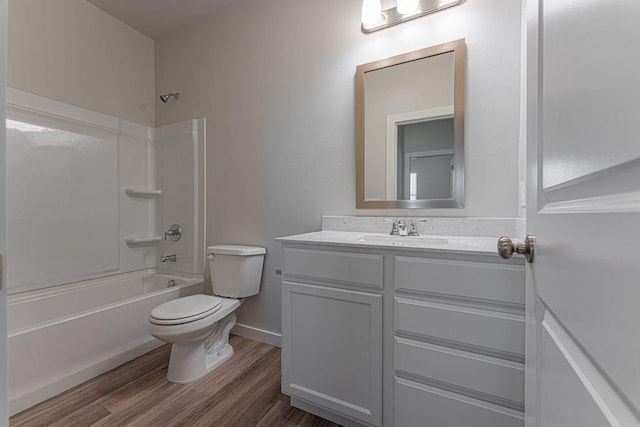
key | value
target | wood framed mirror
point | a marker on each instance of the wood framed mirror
(410, 130)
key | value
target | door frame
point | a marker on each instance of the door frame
(532, 314)
(4, 383)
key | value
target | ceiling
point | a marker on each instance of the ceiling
(155, 18)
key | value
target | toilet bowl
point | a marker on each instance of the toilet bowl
(198, 326)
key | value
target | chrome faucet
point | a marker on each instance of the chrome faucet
(400, 227)
(168, 258)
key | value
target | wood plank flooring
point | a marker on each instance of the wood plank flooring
(244, 391)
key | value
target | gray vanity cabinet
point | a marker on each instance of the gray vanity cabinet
(384, 336)
(332, 331)
(458, 332)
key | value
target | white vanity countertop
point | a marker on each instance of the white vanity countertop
(440, 244)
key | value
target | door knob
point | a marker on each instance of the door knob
(506, 248)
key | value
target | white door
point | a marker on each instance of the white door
(583, 125)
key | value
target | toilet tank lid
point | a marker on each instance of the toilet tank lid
(236, 250)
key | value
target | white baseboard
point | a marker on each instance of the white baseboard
(256, 334)
(33, 397)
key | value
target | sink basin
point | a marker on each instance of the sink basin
(407, 241)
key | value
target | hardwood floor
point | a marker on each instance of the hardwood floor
(244, 391)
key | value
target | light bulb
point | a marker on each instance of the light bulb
(371, 12)
(408, 6)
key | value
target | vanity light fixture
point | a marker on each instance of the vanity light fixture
(406, 7)
(371, 13)
(374, 18)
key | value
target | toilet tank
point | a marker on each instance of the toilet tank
(236, 271)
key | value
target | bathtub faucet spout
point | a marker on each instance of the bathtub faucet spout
(168, 258)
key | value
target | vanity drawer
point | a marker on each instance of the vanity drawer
(341, 267)
(501, 378)
(421, 405)
(485, 281)
(503, 332)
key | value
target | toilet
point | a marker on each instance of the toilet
(198, 326)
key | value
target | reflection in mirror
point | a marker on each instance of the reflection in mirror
(425, 160)
(410, 130)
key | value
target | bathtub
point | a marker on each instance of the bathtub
(60, 337)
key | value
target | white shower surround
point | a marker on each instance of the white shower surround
(62, 337)
(80, 298)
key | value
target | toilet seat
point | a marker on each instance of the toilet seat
(185, 310)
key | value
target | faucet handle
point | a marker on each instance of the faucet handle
(174, 233)
(394, 226)
(413, 227)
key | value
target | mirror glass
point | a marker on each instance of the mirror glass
(410, 130)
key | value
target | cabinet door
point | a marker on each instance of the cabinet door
(332, 349)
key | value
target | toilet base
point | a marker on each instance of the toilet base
(214, 360)
(192, 360)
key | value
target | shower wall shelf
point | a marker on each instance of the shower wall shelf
(146, 193)
(142, 240)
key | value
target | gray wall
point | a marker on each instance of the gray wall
(427, 136)
(275, 80)
(73, 52)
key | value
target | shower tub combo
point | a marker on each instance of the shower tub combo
(122, 184)
(60, 337)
